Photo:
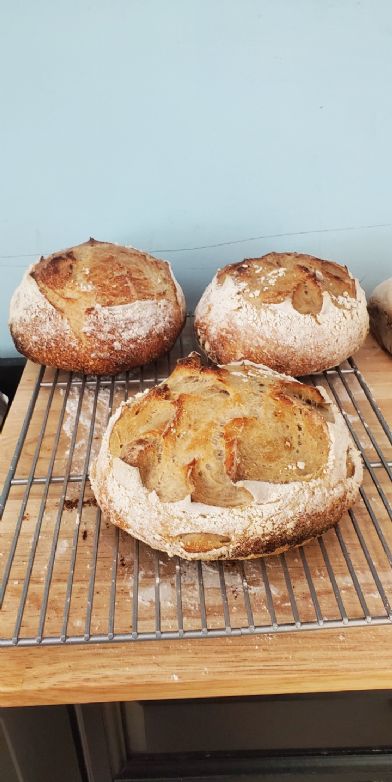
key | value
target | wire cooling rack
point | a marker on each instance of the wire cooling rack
(68, 576)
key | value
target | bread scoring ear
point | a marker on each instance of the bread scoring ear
(209, 428)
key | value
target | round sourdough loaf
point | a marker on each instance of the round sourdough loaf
(97, 308)
(295, 313)
(231, 462)
(380, 311)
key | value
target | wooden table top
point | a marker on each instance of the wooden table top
(325, 660)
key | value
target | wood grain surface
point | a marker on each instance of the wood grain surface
(284, 662)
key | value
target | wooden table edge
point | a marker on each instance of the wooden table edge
(268, 664)
(325, 660)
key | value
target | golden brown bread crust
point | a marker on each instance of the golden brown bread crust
(290, 311)
(226, 462)
(305, 279)
(97, 308)
(207, 429)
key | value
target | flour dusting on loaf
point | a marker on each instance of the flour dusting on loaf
(97, 308)
(297, 318)
(305, 493)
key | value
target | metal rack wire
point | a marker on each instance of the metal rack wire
(67, 576)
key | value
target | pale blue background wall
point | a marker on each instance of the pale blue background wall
(172, 124)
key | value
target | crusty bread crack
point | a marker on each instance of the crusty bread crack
(97, 308)
(229, 462)
(208, 428)
(292, 312)
(278, 276)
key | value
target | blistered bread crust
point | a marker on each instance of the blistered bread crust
(292, 312)
(97, 308)
(275, 454)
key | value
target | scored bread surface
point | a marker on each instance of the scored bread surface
(97, 308)
(292, 312)
(229, 462)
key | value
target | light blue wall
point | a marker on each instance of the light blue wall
(171, 124)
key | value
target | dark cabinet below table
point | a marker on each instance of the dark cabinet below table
(342, 736)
